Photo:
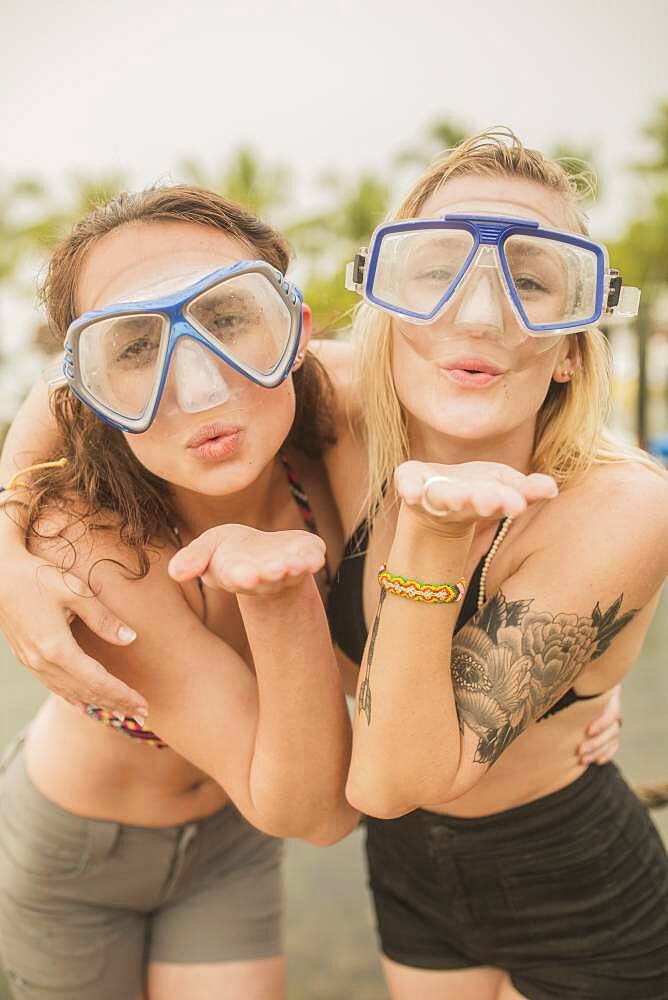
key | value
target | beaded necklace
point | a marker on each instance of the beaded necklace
(507, 521)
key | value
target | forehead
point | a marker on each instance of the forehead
(143, 260)
(506, 196)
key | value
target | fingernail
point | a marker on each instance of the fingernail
(126, 634)
(119, 716)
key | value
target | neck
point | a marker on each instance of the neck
(513, 448)
(255, 505)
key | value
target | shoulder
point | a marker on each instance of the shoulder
(346, 461)
(337, 357)
(96, 553)
(627, 481)
(603, 535)
(623, 502)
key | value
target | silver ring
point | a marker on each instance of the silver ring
(424, 498)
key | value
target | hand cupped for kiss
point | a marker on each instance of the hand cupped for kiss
(243, 560)
(472, 491)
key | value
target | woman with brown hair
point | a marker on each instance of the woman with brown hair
(190, 402)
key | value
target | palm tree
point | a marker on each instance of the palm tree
(244, 178)
(441, 134)
(642, 251)
(327, 241)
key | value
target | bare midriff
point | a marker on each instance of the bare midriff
(122, 780)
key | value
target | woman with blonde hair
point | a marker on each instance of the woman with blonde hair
(521, 557)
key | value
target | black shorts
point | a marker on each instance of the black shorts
(568, 894)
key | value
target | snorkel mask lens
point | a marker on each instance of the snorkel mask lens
(120, 360)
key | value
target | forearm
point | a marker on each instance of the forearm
(32, 436)
(302, 745)
(407, 744)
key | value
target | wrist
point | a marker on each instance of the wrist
(413, 521)
(288, 597)
(428, 551)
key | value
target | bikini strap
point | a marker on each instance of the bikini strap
(300, 497)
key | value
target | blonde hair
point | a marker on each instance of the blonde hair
(570, 427)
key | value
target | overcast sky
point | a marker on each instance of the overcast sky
(139, 85)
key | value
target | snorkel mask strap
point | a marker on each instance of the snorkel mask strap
(355, 271)
(622, 301)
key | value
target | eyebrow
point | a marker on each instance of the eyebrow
(443, 242)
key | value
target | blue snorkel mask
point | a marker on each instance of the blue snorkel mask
(555, 282)
(117, 359)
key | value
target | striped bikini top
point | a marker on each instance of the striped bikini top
(130, 726)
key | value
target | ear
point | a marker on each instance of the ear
(306, 334)
(569, 359)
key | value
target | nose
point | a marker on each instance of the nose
(198, 376)
(482, 298)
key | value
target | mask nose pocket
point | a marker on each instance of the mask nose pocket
(481, 294)
(199, 380)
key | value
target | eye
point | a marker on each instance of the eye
(442, 273)
(141, 350)
(527, 283)
(226, 322)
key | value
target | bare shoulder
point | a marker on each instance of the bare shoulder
(606, 532)
(625, 497)
(346, 461)
(625, 503)
(337, 358)
(629, 482)
(96, 554)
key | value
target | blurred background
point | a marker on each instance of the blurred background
(319, 115)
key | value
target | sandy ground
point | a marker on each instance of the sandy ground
(330, 937)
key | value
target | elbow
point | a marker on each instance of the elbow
(329, 834)
(389, 796)
(318, 834)
(376, 799)
(321, 826)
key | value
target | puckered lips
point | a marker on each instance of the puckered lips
(215, 442)
(472, 371)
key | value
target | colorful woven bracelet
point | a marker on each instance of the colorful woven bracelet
(427, 593)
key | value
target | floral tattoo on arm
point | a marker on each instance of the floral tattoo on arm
(510, 664)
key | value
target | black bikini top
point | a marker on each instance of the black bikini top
(345, 608)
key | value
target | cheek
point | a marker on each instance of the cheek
(265, 416)
(411, 373)
(432, 400)
(150, 451)
(273, 412)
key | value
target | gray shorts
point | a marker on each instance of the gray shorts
(86, 904)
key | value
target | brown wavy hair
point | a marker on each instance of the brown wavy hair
(111, 488)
